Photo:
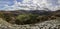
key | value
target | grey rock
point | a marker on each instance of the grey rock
(53, 24)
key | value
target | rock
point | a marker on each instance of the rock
(53, 24)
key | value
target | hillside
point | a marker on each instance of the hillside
(30, 19)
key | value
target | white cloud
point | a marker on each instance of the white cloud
(35, 4)
(50, 4)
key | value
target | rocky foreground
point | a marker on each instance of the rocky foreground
(50, 24)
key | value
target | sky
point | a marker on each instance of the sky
(10, 5)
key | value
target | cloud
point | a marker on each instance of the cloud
(33, 5)
(41, 4)
(50, 4)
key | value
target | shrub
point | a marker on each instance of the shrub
(26, 19)
(6, 17)
(21, 18)
(1, 15)
(42, 18)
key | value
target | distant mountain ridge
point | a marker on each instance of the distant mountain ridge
(40, 12)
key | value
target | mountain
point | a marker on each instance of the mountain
(40, 12)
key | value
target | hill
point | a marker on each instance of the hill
(48, 19)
